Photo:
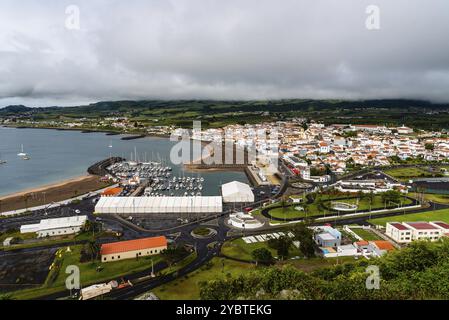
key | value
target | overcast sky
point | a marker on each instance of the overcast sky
(216, 49)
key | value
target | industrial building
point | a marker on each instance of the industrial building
(237, 192)
(145, 205)
(132, 249)
(55, 227)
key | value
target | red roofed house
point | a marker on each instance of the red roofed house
(112, 192)
(380, 247)
(399, 232)
(132, 249)
(441, 225)
(424, 231)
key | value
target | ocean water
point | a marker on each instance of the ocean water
(60, 155)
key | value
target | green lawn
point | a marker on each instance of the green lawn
(88, 272)
(406, 173)
(313, 209)
(377, 204)
(69, 239)
(239, 249)
(309, 265)
(366, 235)
(290, 213)
(438, 215)
(187, 288)
(439, 198)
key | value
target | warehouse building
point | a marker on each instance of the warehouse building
(145, 205)
(237, 192)
(55, 227)
(132, 249)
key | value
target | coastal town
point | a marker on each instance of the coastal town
(224, 159)
(338, 180)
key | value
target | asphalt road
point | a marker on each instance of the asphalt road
(204, 252)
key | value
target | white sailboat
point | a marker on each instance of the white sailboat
(23, 155)
(110, 144)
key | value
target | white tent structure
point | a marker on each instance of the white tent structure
(237, 192)
(143, 205)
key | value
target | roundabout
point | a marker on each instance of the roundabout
(203, 233)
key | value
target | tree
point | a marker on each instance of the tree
(429, 146)
(305, 237)
(262, 255)
(281, 245)
(391, 196)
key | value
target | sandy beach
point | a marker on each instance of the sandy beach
(45, 194)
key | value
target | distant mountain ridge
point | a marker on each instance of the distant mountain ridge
(208, 105)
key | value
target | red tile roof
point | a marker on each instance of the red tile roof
(442, 225)
(112, 192)
(399, 226)
(133, 245)
(383, 245)
(421, 225)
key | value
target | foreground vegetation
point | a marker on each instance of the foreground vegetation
(420, 271)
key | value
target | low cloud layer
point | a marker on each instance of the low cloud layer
(234, 49)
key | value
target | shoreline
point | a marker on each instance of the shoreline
(42, 194)
(87, 131)
(45, 187)
(53, 192)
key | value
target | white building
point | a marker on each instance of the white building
(237, 192)
(398, 232)
(242, 220)
(424, 231)
(56, 227)
(146, 205)
(409, 231)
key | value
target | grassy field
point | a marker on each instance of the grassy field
(69, 239)
(309, 265)
(366, 235)
(187, 288)
(406, 173)
(314, 209)
(377, 204)
(438, 215)
(88, 272)
(290, 213)
(438, 198)
(239, 249)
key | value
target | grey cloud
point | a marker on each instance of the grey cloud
(238, 49)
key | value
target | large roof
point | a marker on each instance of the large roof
(383, 245)
(399, 226)
(56, 223)
(133, 245)
(421, 225)
(236, 191)
(443, 225)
